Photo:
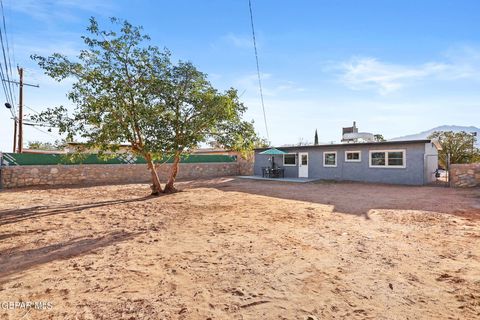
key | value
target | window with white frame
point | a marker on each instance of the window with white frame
(290, 159)
(353, 156)
(330, 159)
(387, 158)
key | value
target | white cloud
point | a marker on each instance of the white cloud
(271, 86)
(66, 10)
(70, 48)
(238, 41)
(371, 73)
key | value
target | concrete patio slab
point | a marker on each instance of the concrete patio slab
(299, 180)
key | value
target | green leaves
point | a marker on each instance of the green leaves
(127, 91)
(194, 110)
(460, 146)
(115, 79)
(379, 138)
(39, 145)
(238, 136)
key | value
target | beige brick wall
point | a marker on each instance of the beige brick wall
(465, 175)
(245, 166)
(23, 176)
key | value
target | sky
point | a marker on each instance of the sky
(394, 67)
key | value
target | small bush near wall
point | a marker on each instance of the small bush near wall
(465, 175)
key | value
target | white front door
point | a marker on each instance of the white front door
(303, 165)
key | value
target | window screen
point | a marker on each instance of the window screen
(330, 159)
(377, 159)
(353, 156)
(289, 159)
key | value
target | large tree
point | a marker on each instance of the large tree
(128, 91)
(459, 145)
(378, 138)
(115, 78)
(196, 112)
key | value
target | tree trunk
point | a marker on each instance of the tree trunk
(156, 186)
(169, 187)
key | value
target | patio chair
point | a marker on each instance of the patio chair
(266, 172)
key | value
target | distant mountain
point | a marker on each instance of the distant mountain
(425, 134)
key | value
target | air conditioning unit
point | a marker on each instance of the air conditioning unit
(354, 137)
(351, 134)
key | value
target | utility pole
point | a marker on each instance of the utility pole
(20, 111)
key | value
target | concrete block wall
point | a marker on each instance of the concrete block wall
(24, 176)
(465, 175)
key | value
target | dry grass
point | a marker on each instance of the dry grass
(237, 249)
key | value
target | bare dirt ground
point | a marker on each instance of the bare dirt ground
(240, 249)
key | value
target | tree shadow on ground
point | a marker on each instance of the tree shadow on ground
(74, 186)
(9, 216)
(13, 261)
(10, 235)
(357, 198)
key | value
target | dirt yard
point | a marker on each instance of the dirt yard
(241, 249)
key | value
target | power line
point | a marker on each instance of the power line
(6, 39)
(8, 65)
(20, 105)
(10, 44)
(8, 49)
(36, 124)
(48, 133)
(258, 68)
(31, 109)
(4, 85)
(7, 72)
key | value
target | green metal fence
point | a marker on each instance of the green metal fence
(29, 159)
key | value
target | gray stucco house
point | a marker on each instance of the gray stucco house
(397, 162)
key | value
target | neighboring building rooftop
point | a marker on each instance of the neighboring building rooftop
(37, 151)
(355, 144)
(209, 150)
